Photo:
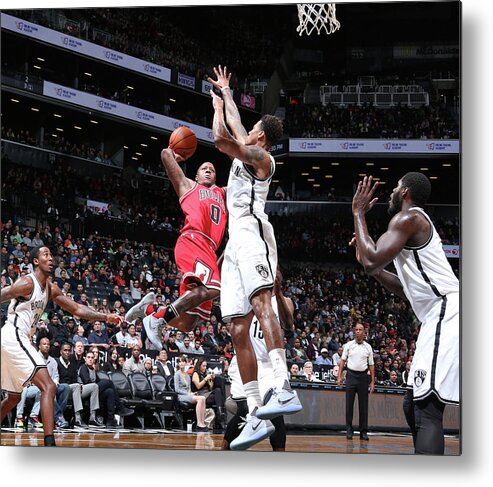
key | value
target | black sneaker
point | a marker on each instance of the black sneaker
(95, 423)
(349, 433)
(202, 429)
(80, 424)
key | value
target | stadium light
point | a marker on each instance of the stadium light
(143, 145)
(88, 74)
(424, 168)
(77, 127)
(94, 121)
(57, 115)
(14, 100)
(35, 109)
(36, 66)
(40, 59)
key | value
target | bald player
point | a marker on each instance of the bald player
(204, 206)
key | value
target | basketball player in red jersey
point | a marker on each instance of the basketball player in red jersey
(204, 206)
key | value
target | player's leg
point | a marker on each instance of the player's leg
(247, 361)
(284, 400)
(233, 429)
(278, 438)
(176, 316)
(428, 413)
(408, 407)
(45, 384)
(8, 403)
(254, 428)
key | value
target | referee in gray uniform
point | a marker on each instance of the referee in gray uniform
(359, 357)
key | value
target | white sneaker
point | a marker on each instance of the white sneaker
(253, 430)
(283, 401)
(154, 329)
(139, 310)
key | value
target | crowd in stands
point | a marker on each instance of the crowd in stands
(168, 41)
(58, 143)
(401, 122)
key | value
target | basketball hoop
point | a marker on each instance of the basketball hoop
(317, 16)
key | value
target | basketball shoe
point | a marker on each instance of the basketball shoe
(139, 309)
(154, 329)
(283, 401)
(253, 430)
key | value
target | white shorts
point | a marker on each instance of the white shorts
(265, 377)
(250, 263)
(20, 360)
(435, 366)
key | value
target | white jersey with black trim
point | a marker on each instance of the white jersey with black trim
(24, 314)
(425, 273)
(247, 194)
(257, 337)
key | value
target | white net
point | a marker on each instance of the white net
(317, 16)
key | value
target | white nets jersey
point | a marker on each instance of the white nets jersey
(25, 314)
(250, 258)
(433, 291)
(246, 194)
(20, 360)
(425, 273)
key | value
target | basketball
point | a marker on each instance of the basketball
(183, 142)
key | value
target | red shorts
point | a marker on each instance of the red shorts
(196, 258)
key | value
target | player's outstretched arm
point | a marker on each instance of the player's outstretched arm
(387, 279)
(233, 119)
(375, 256)
(22, 288)
(180, 182)
(79, 310)
(253, 155)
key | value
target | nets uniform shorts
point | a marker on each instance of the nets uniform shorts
(20, 360)
(435, 366)
(196, 258)
(250, 263)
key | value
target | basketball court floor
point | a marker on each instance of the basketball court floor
(320, 442)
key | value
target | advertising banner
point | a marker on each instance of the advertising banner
(380, 146)
(122, 110)
(86, 48)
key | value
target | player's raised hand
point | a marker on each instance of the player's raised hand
(222, 76)
(363, 200)
(168, 154)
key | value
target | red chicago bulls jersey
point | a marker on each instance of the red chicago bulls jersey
(205, 212)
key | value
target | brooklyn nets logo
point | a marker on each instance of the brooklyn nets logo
(262, 270)
(419, 377)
